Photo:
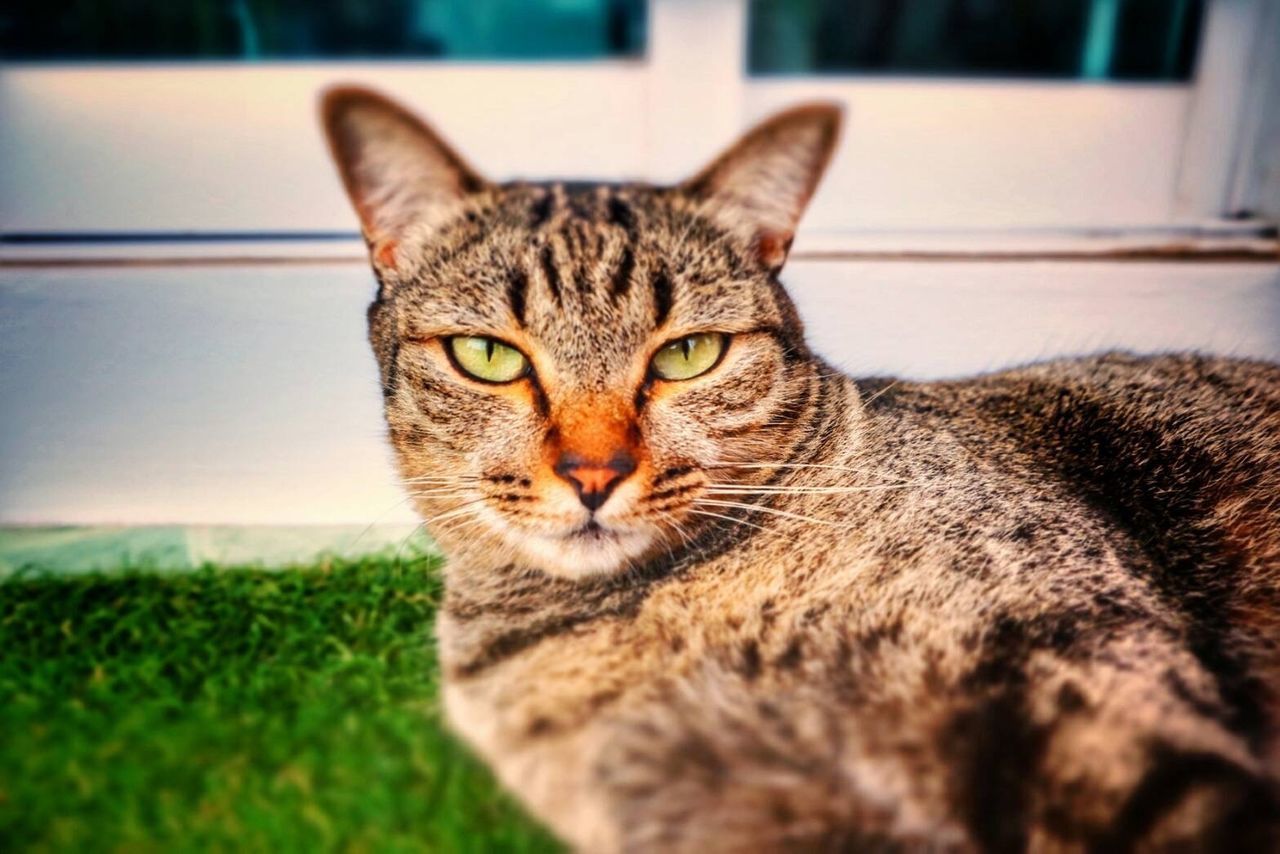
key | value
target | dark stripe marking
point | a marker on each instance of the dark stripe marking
(622, 277)
(752, 427)
(671, 473)
(540, 212)
(1243, 816)
(672, 492)
(517, 287)
(393, 370)
(662, 298)
(993, 749)
(580, 205)
(547, 258)
(510, 643)
(620, 214)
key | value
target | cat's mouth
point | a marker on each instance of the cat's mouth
(590, 548)
(592, 531)
(595, 536)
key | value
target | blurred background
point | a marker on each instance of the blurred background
(183, 371)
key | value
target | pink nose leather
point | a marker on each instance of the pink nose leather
(592, 480)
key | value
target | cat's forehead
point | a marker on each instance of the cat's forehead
(590, 271)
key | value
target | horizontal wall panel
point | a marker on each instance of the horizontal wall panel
(226, 147)
(963, 154)
(236, 148)
(246, 394)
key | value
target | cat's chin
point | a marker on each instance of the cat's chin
(590, 550)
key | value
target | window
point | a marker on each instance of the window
(338, 29)
(1089, 39)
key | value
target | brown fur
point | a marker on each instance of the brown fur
(1034, 610)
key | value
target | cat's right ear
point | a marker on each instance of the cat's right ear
(402, 178)
(761, 185)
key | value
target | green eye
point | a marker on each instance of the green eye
(487, 359)
(688, 357)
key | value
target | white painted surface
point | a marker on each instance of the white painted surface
(968, 154)
(237, 147)
(1234, 74)
(209, 146)
(247, 394)
(1256, 177)
(694, 80)
(947, 319)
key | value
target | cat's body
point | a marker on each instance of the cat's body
(787, 610)
(1042, 639)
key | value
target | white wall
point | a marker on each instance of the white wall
(237, 147)
(247, 394)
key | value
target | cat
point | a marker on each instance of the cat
(706, 593)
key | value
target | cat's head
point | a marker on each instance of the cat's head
(582, 374)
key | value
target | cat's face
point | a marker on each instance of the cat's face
(579, 374)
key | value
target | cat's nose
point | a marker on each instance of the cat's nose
(593, 480)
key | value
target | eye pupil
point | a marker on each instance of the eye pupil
(686, 345)
(489, 347)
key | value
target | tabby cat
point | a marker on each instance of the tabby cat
(705, 593)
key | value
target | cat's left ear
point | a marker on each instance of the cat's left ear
(403, 179)
(761, 185)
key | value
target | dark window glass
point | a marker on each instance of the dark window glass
(320, 29)
(1089, 39)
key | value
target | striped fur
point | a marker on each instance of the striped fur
(1035, 610)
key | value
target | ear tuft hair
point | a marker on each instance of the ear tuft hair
(760, 186)
(399, 174)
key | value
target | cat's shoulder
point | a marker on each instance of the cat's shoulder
(1126, 369)
(1099, 407)
(1118, 376)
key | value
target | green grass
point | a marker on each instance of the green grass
(238, 709)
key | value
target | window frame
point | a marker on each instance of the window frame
(92, 149)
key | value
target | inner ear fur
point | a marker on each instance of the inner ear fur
(402, 178)
(760, 186)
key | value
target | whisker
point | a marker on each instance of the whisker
(882, 391)
(409, 497)
(449, 514)
(439, 517)
(461, 522)
(744, 489)
(675, 525)
(435, 494)
(458, 524)
(376, 520)
(756, 508)
(671, 552)
(727, 518)
(416, 528)
(758, 465)
(452, 525)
